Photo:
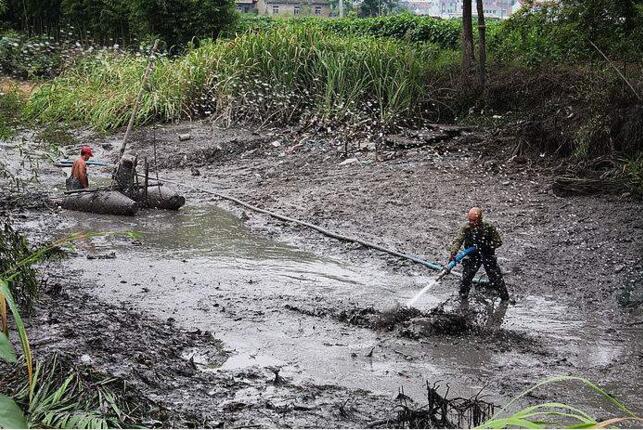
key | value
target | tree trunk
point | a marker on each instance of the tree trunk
(468, 57)
(482, 53)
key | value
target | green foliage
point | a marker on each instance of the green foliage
(58, 399)
(634, 170)
(103, 20)
(5, 295)
(377, 7)
(444, 33)
(122, 21)
(562, 31)
(6, 349)
(11, 105)
(278, 75)
(557, 414)
(11, 416)
(178, 21)
(13, 250)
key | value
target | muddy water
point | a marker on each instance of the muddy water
(202, 267)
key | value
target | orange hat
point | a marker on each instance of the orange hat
(86, 150)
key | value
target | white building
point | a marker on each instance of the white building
(500, 9)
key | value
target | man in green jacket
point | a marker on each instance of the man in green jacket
(486, 239)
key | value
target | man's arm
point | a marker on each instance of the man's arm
(457, 242)
(496, 240)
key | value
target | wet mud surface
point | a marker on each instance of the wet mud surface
(262, 295)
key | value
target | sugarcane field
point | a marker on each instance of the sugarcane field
(294, 214)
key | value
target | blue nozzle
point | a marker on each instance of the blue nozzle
(459, 256)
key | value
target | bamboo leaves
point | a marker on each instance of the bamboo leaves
(22, 332)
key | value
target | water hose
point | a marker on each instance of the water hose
(457, 259)
(431, 265)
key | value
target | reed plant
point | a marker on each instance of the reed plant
(556, 414)
(281, 75)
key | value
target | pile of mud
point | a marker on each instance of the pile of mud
(407, 322)
(416, 324)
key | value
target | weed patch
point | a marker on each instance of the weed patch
(11, 105)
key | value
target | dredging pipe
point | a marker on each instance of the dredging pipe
(430, 264)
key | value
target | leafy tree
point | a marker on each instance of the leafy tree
(102, 19)
(178, 21)
(562, 31)
(175, 21)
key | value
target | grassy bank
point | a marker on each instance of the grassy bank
(283, 75)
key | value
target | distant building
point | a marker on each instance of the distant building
(500, 9)
(291, 7)
(246, 6)
(520, 3)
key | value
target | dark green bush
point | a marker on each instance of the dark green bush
(563, 31)
(120, 21)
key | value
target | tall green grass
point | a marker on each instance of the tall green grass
(279, 75)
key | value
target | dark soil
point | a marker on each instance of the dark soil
(162, 367)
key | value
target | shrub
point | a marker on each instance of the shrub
(564, 31)
(113, 21)
(278, 75)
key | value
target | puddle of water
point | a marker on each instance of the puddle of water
(191, 231)
(245, 360)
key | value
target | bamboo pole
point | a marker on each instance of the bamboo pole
(146, 75)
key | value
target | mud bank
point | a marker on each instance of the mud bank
(281, 297)
(574, 265)
(170, 374)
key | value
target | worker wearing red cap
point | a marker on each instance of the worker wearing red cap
(486, 239)
(78, 178)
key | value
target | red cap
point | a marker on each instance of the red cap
(86, 150)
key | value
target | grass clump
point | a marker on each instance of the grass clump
(282, 75)
(65, 395)
(11, 106)
(405, 27)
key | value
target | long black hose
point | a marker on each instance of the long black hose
(411, 257)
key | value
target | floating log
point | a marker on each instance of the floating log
(101, 202)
